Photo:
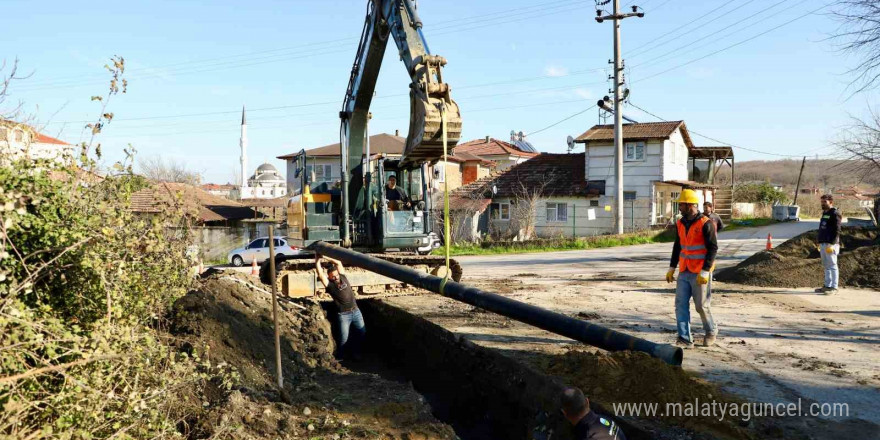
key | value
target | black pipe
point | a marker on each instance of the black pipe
(558, 323)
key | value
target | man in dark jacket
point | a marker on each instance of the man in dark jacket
(709, 211)
(829, 243)
(587, 424)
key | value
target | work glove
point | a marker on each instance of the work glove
(829, 249)
(670, 276)
(703, 277)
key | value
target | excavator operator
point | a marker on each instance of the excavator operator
(396, 196)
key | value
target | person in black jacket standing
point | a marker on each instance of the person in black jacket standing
(829, 243)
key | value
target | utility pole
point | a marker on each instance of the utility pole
(616, 17)
(797, 187)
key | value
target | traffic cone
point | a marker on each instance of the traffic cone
(254, 271)
(769, 242)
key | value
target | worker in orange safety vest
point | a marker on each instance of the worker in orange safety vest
(694, 254)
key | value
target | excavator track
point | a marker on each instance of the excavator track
(296, 278)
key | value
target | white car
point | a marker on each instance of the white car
(259, 249)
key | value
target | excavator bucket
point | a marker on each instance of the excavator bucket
(427, 99)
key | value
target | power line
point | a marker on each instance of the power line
(734, 45)
(658, 42)
(457, 26)
(563, 120)
(717, 140)
(754, 23)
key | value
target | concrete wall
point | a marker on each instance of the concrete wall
(215, 242)
(675, 157)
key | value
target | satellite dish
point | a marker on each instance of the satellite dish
(570, 141)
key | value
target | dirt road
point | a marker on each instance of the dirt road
(776, 345)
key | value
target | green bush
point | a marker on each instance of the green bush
(84, 286)
(759, 193)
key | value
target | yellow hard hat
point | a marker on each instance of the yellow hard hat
(688, 196)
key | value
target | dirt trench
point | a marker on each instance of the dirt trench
(796, 263)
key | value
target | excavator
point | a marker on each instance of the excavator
(357, 212)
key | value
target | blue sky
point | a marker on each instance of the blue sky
(513, 65)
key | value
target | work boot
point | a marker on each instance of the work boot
(822, 289)
(830, 291)
(683, 343)
(709, 340)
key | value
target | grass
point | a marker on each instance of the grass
(739, 223)
(562, 244)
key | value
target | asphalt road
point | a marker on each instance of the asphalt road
(649, 261)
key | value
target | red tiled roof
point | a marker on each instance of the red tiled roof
(218, 187)
(379, 143)
(492, 147)
(201, 204)
(38, 137)
(43, 139)
(554, 175)
(645, 130)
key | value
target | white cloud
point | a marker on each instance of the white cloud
(583, 93)
(555, 71)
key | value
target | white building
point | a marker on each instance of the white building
(266, 182)
(23, 141)
(325, 165)
(573, 194)
(655, 169)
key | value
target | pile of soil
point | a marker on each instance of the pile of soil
(635, 377)
(228, 319)
(796, 262)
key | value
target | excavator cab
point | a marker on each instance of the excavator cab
(404, 209)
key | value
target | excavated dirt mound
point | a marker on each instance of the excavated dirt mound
(796, 263)
(228, 319)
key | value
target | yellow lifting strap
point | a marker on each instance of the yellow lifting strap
(445, 196)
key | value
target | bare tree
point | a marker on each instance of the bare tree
(860, 143)
(158, 169)
(859, 34)
(6, 78)
(524, 209)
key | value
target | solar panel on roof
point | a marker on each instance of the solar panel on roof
(525, 146)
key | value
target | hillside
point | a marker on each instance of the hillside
(823, 174)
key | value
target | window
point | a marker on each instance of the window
(278, 242)
(594, 202)
(557, 212)
(323, 173)
(629, 195)
(500, 211)
(634, 151)
(674, 196)
(258, 243)
(440, 172)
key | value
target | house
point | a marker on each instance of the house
(228, 191)
(203, 208)
(504, 154)
(19, 140)
(324, 162)
(852, 198)
(545, 196)
(659, 161)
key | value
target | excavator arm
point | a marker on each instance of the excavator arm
(428, 95)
